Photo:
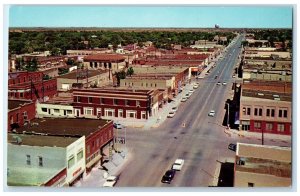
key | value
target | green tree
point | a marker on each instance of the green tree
(130, 71)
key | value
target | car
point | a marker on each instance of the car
(110, 181)
(168, 177)
(201, 77)
(224, 83)
(233, 76)
(212, 113)
(218, 83)
(195, 86)
(191, 91)
(174, 109)
(183, 99)
(117, 126)
(232, 147)
(171, 114)
(178, 164)
(216, 76)
(187, 95)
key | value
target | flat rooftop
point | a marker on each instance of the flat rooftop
(13, 104)
(263, 159)
(63, 126)
(40, 140)
(267, 95)
(82, 74)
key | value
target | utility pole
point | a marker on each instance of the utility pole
(227, 115)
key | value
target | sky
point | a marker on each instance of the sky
(146, 16)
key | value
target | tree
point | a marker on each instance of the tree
(130, 71)
(120, 75)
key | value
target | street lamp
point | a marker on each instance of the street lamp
(227, 115)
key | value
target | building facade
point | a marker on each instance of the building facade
(109, 103)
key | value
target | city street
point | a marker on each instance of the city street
(191, 135)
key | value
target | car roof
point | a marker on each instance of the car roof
(179, 160)
(111, 177)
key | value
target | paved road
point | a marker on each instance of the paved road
(200, 143)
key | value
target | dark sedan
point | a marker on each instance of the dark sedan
(168, 177)
(232, 147)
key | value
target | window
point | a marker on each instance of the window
(120, 113)
(272, 112)
(44, 110)
(257, 125)
(142, 84)
(127, 102)
(115, 102)
(28, 161)
(248, 111)
(17, 118)
(69, 112)
(88, 149)
(56, 110)
(88, 111)
(40, 161)
(260, 112)
(90, 100)
(137, 103)
(71, 161)
(79, 155)
(21, 95)
(269, 126)
(255, 111)
(250, 184)
(244, 111)
(155, 84)
(143, 115)
(78, 99)
(280, 127)
(280, 113)
(25, 115)
(268, 112)
(285, 113)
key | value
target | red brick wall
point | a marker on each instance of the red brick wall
(29, 108)
(24, 77)
(58, 177)
(104, 134)
(287, 127)
(269, 86)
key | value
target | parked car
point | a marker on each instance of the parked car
(191, 91)
(233, 76)
(216, 76)
(212, 113)
(218, 83)
(232, 147)
(224, 83)
(174, 109)
(110, 181)
(178, 164)
(183, 99)
(187, 95)
(171, 114)
(195, 86)
(168, 177)
(117, 126)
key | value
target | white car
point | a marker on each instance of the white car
(191, 91)
(233, 76)
(212, 113)
(178, 164)
(110, 181)
(117, 126)
(219, 83)
(183, 99)
(195, 86)
(174, 109)
(187, 95)
(224, 83)
(171, 114)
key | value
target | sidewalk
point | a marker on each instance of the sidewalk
(96, 177)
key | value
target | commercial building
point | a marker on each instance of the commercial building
(41, 160)
(30, 85)
(262, 166)
(266, 107)
(98, 134)
(109, 103)
(84, 78)
(19, 113)
(112, 62)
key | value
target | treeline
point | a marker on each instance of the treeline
(58, 42)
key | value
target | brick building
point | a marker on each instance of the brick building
(20, 112)
(98, 134)
(109, 103)
(266, 107)
(30, 85)
(112, 62)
